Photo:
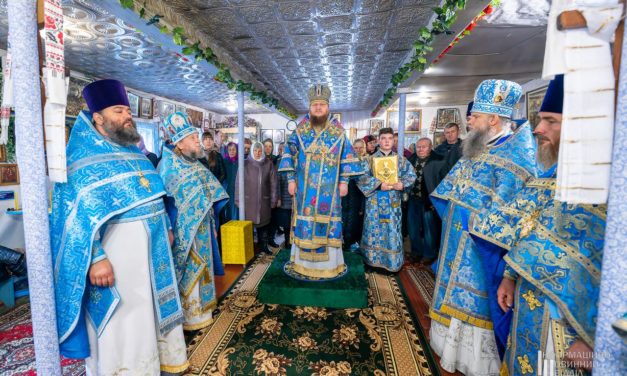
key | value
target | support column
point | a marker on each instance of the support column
(402, 105)
(240, 154)
(31, 162)
(610, 354)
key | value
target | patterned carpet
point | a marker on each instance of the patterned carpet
(423, 281)
(251, 338)
(17, 351)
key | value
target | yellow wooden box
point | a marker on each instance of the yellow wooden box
(237, 242)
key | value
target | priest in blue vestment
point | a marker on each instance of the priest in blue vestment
(553, 252)
(319, 161)
(116, 294)
(382, 239)
(495, 165)
(194, 197)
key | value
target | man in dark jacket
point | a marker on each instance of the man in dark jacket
(423, 223)
(283, 211)
(451, 150)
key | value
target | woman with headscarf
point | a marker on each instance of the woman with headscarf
(353, 205)
(212, 160)
(261, 193)
(230, 212)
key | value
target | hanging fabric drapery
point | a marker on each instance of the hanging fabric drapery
(7, 98)
(56, 90)
(583, 56)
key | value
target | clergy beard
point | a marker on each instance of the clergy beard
(120, 133)
(318, 121)
(547, 152)
(190, 155)
(475, 142)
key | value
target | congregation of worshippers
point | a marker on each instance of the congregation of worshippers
(478, 211)
(142, 238)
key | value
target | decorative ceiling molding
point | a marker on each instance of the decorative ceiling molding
(102, 45)
(354, 46)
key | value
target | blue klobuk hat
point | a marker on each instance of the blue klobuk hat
(497, 97)
(178, 127)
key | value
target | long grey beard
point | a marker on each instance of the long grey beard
(122, 135)
(475, 143)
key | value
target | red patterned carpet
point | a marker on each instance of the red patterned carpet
(17, 351)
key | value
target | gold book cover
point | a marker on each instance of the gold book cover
(386, 169)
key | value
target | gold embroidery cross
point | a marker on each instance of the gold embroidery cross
(458, 226)
(531, 300)
(529, 223)
(525, 367)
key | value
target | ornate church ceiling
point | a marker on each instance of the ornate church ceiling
(101, 45)
(354, 46)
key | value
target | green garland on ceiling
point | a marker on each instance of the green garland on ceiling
(445, 17)
(224, 74)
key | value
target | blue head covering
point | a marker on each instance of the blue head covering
(105, 93)
(178, 127)
(554, 97)
(469, 108)
(497, 97)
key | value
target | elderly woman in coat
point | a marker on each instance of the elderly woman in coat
(261, 193)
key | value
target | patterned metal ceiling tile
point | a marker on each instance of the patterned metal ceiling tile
(301, 28)
(338, 38)
(308, 41)
(373, 21)
(204, 4)
(79, 34)
(105, 29)
(274, 42)
(372, 35)
(334, 7)
(129, 42)
(407, 17)
(336, 24)
(373, 6)
(255, 15)
(365, 58)
(298, 11)
(81, 14)
(269, 30)
(368, 49)
(340, 49)
(245, 43)
(220, 16)
(281, 53)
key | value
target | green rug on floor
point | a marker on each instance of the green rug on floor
(349, 291)
(248, 337)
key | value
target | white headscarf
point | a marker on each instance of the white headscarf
(256, 145)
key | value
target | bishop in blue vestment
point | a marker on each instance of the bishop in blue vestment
(319, 160)
(553, 252)
(495, 165)
(194, 197)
